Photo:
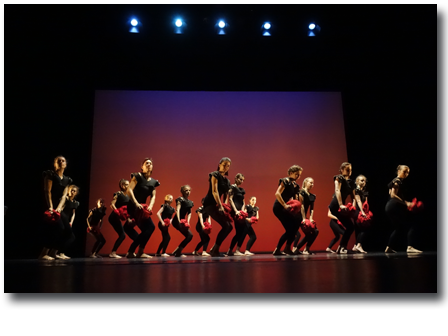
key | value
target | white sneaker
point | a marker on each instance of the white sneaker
(238, 253)
(413, 250)
(46, 257)
(144, 255)
(205, 254)
(62, 256)
(330, 250)
(114, 255)
(166, 255)
(248, 253)
(92, 256)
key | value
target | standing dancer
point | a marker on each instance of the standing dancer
(286, 191)
(165, 212)
(200, 228)
(69, 206)
(218, 190)
(119, 201)
(95, 223)
(252, 212)
(360, 196)
(236, 199)
(338, 231)
(397, 211)
(183, 208)
(343, 187)
(141, 187)
(55, 188)
(307, 199)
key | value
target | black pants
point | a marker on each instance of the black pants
(338, 230)
(240, 229)
(185, 232)
(115, 221)
(100, 241)
(249, 230)
(205, 238)
(147, 227)
(67, 236)
(399, 218)
(165, 238)
(348, 224)
(52, 233)
(223, 221)
(360, 234)
(289, 222)
(309, 239)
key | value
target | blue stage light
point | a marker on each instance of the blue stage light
(221, 24)
(267, 25)
(134, 22)
(178, 23)
(311, 26)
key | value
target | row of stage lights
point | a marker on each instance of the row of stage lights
(220, 27)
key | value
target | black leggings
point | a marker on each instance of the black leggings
(147, 227)
(165, 238)
(240, 230)
(67, 237)
(185, 232)
(52, 233)
(115, 221)
(309, 239)
(226, 223)
(338, 230)
(289, 222)
(100, 241)
(398, 215)
(360, 234)
(205, 238)
(348, 224)
(249, 230)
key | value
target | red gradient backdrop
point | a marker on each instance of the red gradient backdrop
(187, 133)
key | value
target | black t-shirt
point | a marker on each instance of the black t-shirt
(168, 211)
(223, 188)
(401, 188)
(251, 211)
(362, 194)
(58, 185)
(185, 206)
(238, 196)
(69, 206)
(308, 201)
(347, 187)
(144, 188)
(97, 215)
(291, 189)
(122, 199)
(205, 216)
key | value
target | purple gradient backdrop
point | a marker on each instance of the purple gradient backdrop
(187, 133)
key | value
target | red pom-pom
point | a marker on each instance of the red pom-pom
(254, 220)
(52, 217)
(142, 214)
(349, 212)
(117, 212)
(227, 211)
(416, 206)
(308, 226)
(243, 215)
(123, 212)
(207, 227)
(364, 222)
(295, 206)
(94, 229)
(167, 222)
(184, 223)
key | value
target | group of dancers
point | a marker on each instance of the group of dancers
(225, 204)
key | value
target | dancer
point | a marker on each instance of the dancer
(165, 212)
(218, 190)
(338, 231)
(397, 211)
(200, 226)
(119, 201)
(361, 196)
(286, 191)
(307, 199)
(236, 199)
(55, 188)
(95, 223)
(69, 206)
(183, 208)
(141, 187)
(343, 187)
(252, 212)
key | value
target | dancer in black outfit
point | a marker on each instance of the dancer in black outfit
(69, 206)
(286, 191)
(337, 229)
(219, 187)
(236, 199)
(361, 196)
(307, 199)
(141, 187)
(252, 211)
(166, 211)
(397, 211)
(55, 188)
(95, 223)
(183, 208)
(205, 237)
(344, 187)
(120, 200)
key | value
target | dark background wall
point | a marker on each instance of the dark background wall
(382, 58)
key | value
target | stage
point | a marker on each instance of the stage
(374, 272)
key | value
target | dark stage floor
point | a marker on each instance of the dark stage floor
(261, 273)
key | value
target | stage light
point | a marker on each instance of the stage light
(267, 26)
(134, 25)
(179, 26)
(221, 27)
(265, 29)
(221, 24)
(178, 23)
(311, 26)
(313, 29)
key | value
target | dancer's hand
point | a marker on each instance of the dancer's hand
(237, 213)
(286, 206)
(150, 208)
(343, 207)
(139, 206)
